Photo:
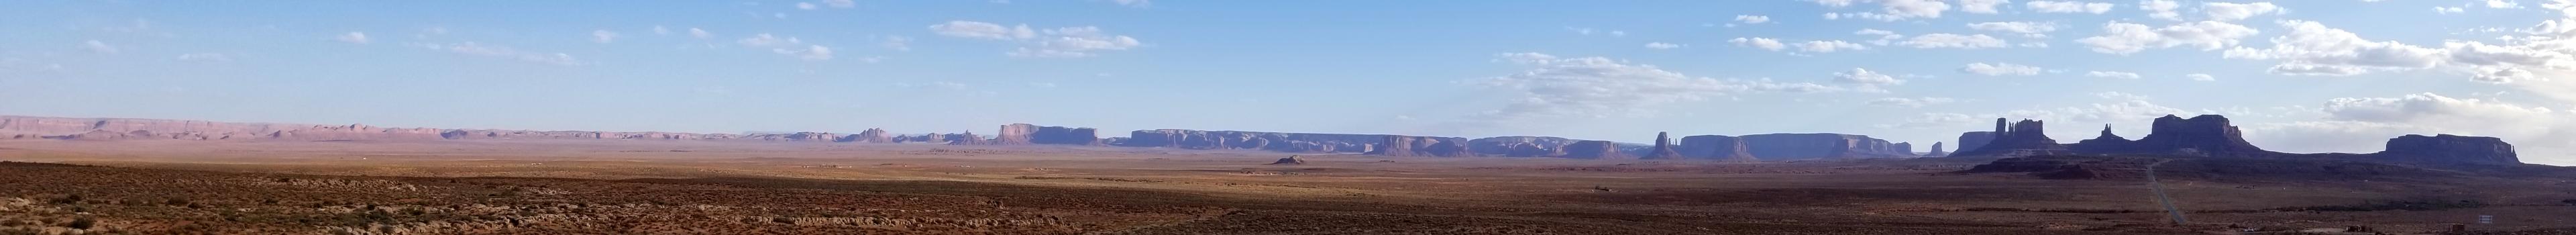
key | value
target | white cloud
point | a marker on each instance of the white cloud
(1067, 42)
(1893, 10)
(766, 40)
(2316, 50)
(603, 36)
(352, 37)
(2448, 10)
(841, 3)
(1943, 40)
(2125, 38)
(1752, 19)
(700, 33)
(1911, 102)
(982, 30)
(1134, 3)
(659, 30)
(2503, 4)
(1981, 6)
(2201, 77)
(1662, 45)
(1867, 80)
(2362, 124)
(2161, 9)
(2000, 69)
(1884, 37)
(811, 52)
(897, 43)
(1829, 46)
(94, 46)
(204, 57)
(2111, 74)
(2068, 7)
(2226, 11)
(1601, 87)
(471, 48)
(805, 5)
(1764, 43)
(2025, 28)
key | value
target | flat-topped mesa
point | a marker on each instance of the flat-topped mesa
(1014, 134)
(1663, 148)
(1794, 146)
(2024, 138)
(872, 135)
(1066, 135)
(2204, 135)
(1517, 146)
(1717, 147)
(2449, 149)
(1596, 149)
(1973, 140)
(1399, 145)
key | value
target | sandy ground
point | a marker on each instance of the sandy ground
(1826, 197)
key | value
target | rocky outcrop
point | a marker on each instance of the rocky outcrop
(872, 135)
(1066, 135)
(1794, 146)
(1290, 142)
(1716, 147)
(2204, 135)
(1904, 149)
(2449, 149)
(1015, 134)
(1290, 160)
(1663, 148)
(356, 132)
(966, 138)
(1595, 149)
(1398, 145)
(1517, 146)
(2024, 138)
(1936, 151)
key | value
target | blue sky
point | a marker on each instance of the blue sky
(2300, 76)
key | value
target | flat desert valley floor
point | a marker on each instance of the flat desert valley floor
(708, 187)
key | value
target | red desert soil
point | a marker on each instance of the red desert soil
(684, 187)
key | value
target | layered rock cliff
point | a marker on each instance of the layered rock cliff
(1518, 146)
(1795, 146)
(1973, 140)
(2449, 149)
(1663, 148)
(1716, 147)
(1595, 149)
(1066, 135)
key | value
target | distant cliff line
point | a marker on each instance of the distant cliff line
(1785, 146)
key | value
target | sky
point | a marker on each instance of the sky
(2296, 76)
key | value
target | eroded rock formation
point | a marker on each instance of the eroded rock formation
(1794, 146)
(872, 135)
(1973, 140)
(1518, 146)
(1015, 134)
(1716, 147)
(1936, 151)
(1066, 135)
(1663, 148)
(2024, 138)
(1595, 149)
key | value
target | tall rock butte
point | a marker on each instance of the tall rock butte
(1972, 140)
(1936, 151)
(1795, 146)
(2204, 135)
(1663, 148)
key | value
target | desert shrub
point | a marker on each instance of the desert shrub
(783, 220)
(68, 199)
(83, 223)
(2395, 205)
(175, 202)
(2571, 202)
